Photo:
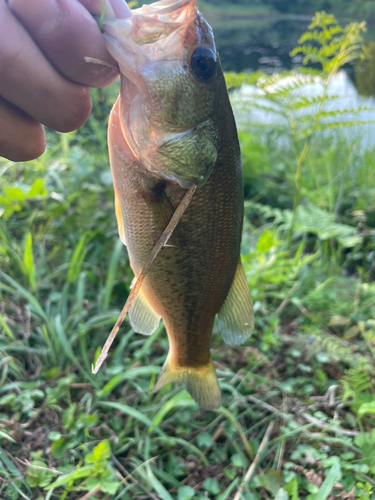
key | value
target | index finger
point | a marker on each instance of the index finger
(67, 34)
(113, 8)
(31, 83)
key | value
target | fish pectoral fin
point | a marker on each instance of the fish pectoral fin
(143, 318)
(120, 222)
(236, 316)
(200, 382)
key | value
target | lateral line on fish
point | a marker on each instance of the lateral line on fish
(167, 233)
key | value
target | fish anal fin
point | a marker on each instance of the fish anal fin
(236, 316)
(120, 221)
(200, 382)
(143, 318)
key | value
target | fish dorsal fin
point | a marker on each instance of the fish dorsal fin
(236, 316)
(120, 222)
(143, 318)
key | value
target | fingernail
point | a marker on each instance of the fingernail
(42, 16)
(121, 9)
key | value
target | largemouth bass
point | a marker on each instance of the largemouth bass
(171, 128)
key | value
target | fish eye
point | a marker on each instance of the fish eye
(203, 63)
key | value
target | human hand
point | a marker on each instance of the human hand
(44, 77)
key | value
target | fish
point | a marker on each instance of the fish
(172, 128)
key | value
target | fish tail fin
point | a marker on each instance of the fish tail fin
(201, 382)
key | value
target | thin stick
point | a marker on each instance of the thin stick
(28, 464)
(269, 407)
(91, 493)
(176, 217)
(253, 466)
(284, 303)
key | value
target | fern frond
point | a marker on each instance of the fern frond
(322, 19)
(346, 111)
(357, 381)
(345, 124)
(337, 349)
(329, 44)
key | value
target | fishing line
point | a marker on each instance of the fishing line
(167, 233)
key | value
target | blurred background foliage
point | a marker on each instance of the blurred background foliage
(309, 255)
(356, 8)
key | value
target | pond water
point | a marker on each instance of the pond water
(262, 43)
(258, 42)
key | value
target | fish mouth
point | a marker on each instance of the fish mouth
(151, 23)
(154, 32)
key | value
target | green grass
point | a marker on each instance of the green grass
(309, 368)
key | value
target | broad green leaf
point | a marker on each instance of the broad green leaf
(282, 495)
(292, 489)
(185, 493)
(273, 481)
(79, 473)
(58, 448)
(37, 189)
(211, 485)
(366, 408)
(14, 193)
(101, 452)
(54, 435)
(109, 486)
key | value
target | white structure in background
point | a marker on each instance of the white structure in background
(254, 106)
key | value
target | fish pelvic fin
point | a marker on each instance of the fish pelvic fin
(201, 382)
(143, 318)
(236, 316)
